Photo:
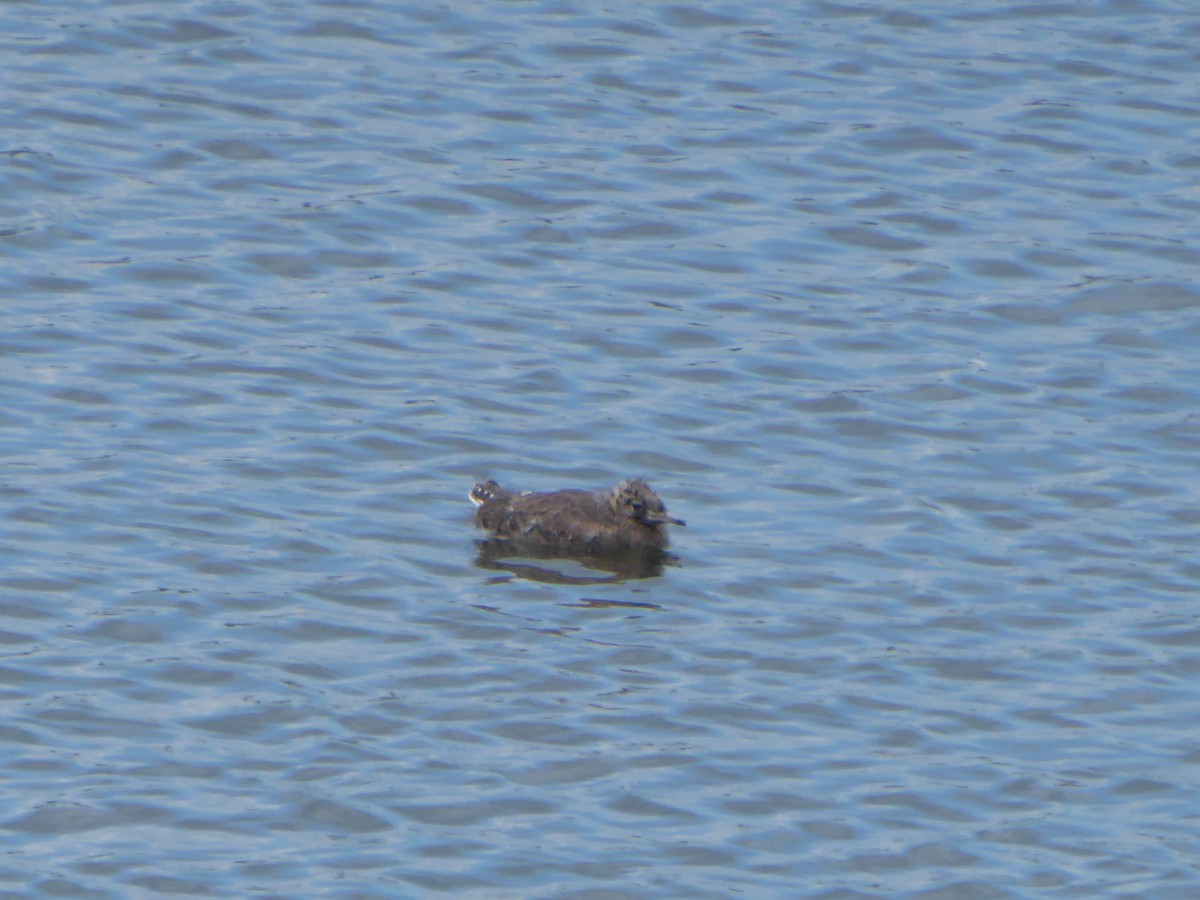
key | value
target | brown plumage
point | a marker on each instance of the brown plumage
(625, 517)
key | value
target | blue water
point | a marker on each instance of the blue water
(896, 305)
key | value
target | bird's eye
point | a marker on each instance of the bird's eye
(636, 505)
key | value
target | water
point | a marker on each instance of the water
(896, 307)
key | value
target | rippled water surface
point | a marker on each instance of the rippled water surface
(896, 304)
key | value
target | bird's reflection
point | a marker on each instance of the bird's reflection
(555, 567)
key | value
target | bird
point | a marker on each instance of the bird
(628, 516)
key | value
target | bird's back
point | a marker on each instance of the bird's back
(561, 518)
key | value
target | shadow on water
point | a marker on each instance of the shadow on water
(555, 567)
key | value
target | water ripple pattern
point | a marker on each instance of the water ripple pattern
(895, 304)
